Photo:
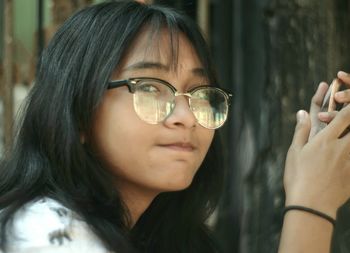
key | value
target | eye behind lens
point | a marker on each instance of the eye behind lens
(210, 107)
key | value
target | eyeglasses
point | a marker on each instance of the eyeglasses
(154, 101)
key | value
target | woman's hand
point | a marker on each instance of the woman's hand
(320, 119)
(317, 172)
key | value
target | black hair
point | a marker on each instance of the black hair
(48, 158)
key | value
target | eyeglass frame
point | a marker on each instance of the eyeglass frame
(132, 82)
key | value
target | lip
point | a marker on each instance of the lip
(179, 146)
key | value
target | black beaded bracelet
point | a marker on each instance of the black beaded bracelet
(310, 210)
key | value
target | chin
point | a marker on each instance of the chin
(178, 184)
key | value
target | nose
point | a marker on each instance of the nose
(181, 116)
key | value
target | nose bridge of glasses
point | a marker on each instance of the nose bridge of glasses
(184, 103)
(186, 94)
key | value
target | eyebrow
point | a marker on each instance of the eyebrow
(146, 65)
(160, 66)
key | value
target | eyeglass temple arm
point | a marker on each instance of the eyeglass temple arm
(119, 83)
(229, 99)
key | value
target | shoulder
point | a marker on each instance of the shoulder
(45, 225)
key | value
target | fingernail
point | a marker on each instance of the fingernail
(319, 85)
(343, 74)
(301, 116)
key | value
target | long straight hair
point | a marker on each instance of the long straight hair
(48, 158)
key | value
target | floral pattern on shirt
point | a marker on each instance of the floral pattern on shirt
(46, 226)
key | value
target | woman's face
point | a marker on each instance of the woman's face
(142, 156)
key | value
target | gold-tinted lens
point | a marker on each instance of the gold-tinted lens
(210, 107)
(153, 101)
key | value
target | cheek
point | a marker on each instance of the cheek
(119, 144)
(206, 138)
(113, 130)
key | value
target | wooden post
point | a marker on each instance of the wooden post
(203, 16)
(8, 73)
(41, 34)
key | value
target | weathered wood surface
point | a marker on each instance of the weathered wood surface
(282, 49)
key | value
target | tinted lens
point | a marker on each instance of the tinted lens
(153, 101)
(210, 107)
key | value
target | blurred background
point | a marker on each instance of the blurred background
(270, 53)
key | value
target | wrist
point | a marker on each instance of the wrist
(312, 211)
(316, 204)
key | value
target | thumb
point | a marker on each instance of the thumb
(302, 129)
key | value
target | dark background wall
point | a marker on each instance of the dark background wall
(1, 29)
(281, 50)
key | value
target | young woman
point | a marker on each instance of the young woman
(117, 150)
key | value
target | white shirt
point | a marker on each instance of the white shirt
(46, 226)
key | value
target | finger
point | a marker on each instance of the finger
(302, 130)
(342, 96)
(335, 86)
(338, 125)
(317, 99)
(315, 107)
(345, 77)
(327, 117)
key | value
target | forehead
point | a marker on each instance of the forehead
(171, 49)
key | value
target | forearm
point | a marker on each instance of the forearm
(305, 233)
